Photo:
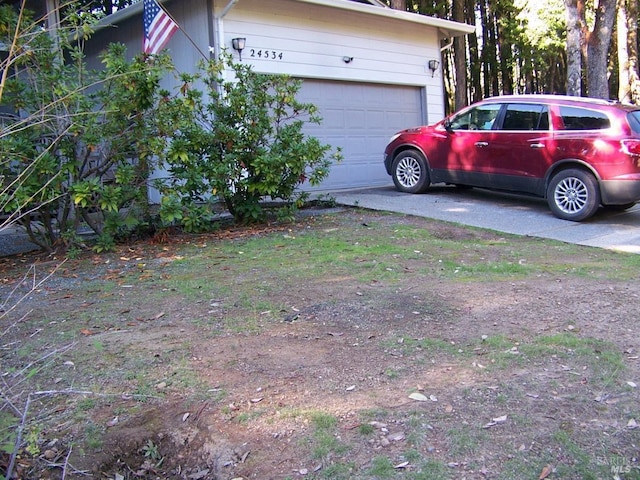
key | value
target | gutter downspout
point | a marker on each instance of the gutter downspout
(444, 49)
(53, 22)
(220, 29)
(229, 6)
(447, 46)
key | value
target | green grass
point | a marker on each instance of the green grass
(366, 255)
(245, 418)
(324, 442)
(485, 269)
(93, 435)
(8, 432)
(465, 440)
(323, 421)
(338, 471)
(381, 467)
(431, 470)
(605, 363)
(366, 429)
(577, 463)
(604, 359)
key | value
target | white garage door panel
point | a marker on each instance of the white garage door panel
(359, 118)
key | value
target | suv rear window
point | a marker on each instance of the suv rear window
(634, 121)
(576, 118)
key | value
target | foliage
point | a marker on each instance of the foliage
(85, 142)
(240, 140)
(151, 451)
(106, 6)
(80, 149)
(523, 47)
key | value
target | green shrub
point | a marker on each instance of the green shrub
(80, 149)
(240, 140)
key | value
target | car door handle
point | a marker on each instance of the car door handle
(537, 145)
(481, 144)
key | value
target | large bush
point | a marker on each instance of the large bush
(79, 148)
(82, 144)
(241, 140)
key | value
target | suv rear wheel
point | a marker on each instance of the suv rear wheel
(573, 194)
(409, 172)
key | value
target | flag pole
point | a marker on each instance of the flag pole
(183, 31)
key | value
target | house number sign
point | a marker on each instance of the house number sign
(266, 54)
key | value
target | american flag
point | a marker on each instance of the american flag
(158, 27)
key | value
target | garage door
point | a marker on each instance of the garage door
(360, 118)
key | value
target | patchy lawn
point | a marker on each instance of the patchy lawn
(349, 345)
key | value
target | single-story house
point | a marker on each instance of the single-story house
(371, 70)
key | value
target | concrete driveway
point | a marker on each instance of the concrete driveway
(504, 213)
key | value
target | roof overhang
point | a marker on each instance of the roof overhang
(120, 15)
(446, 28)
(375, 2)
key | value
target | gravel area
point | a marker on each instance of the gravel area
(14, 240)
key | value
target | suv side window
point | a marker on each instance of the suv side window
(481, 117)
(526, 117)
(576, 118)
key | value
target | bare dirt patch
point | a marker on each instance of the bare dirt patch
(241, 368)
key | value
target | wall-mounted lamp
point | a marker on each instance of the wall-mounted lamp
(238, 45)
(347, 59)
(433, 66)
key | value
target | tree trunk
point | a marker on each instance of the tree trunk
(474, 56)
(460, 59)
(503, 15)
(399, 4)
(574, 49)
(624, 85)
(598, 49)
(489, 56)
(632, 49)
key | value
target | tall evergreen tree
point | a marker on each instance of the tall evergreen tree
(459, 59)
(574, 49)
(598, 43)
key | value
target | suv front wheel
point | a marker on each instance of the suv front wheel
(409, 172)
(573, 194)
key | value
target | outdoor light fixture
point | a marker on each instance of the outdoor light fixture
(238, 44)
(347, 59)
(433, 66)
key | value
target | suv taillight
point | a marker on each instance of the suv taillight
(631, 147)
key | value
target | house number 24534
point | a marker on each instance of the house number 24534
(266, 54)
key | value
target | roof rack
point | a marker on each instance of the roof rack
(551, 96)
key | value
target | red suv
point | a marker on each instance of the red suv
(578, 153)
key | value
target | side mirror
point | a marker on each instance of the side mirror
(447, 125)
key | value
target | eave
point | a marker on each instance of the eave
(446, 28)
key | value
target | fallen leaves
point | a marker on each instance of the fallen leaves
(546, 471)
(113, 422)
(418, 397)
(495, 421)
